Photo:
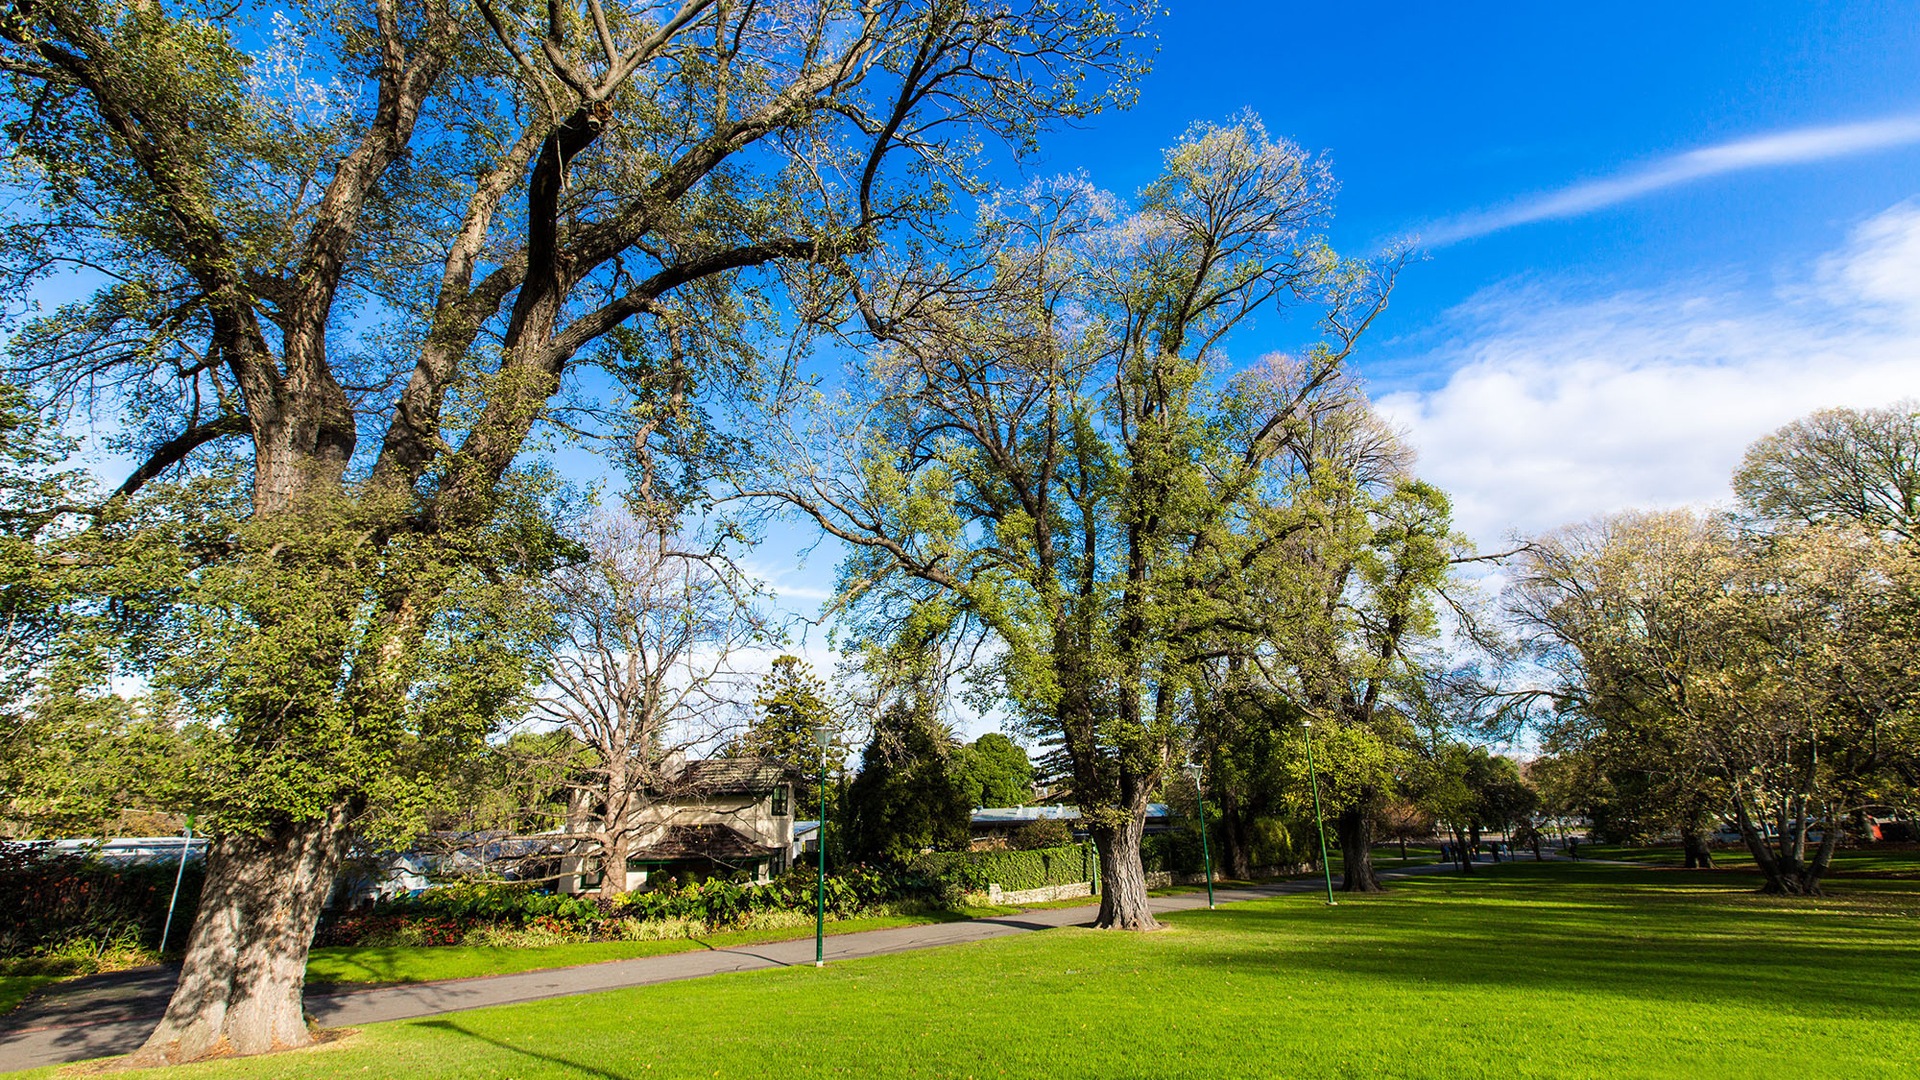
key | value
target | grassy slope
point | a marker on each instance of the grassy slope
(369, 964)
(1528, 970)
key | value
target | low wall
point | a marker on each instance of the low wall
(997, 895)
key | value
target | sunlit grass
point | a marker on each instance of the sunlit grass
(15, 988)
(1533, 970)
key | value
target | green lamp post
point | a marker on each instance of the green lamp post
(1206, 849)
(823, 736)
(1313, 778)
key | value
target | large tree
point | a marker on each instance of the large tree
(365, 246)
(1838, 466)
(1779, 666)
(1037, 446)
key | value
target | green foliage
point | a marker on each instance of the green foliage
(792, 703)
(905, 798)
(994, 771)
(1011, 870)
(1044, 833)
(447, 915)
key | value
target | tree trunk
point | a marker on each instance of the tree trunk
(1699, 855)
(1236, 844)
(240, 987)
(1784, 872)
(1355, 825)
(1460, 853)
(613, 864)
(1123, 897)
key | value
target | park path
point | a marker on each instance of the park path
(112, 1014)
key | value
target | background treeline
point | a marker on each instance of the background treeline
(1751, 670)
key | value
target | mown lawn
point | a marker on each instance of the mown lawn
(1847, 862)
(401, 964)
(1530, 970)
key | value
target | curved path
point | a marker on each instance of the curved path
(112, 1014)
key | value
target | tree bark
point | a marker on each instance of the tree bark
(1460, 853)
(1356, 851)
(1698, 855)
(1123, 899)
(1236, 844)
(240, 987)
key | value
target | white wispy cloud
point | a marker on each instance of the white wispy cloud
(1559, 408)
(1795, 147)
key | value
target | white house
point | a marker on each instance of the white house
(721, 817)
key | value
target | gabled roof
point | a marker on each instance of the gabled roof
(721, 843)
(731, 776)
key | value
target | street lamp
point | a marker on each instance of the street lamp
(823, 737)
(1206, 851)
(1320, 822)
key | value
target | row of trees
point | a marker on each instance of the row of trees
(1755, 666)
(1045, 461)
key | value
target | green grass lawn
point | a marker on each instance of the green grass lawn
(1531, 970)
(1847, 862)
(400, 964)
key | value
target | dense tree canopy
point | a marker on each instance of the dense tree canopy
(344, 263)
(1036, 448)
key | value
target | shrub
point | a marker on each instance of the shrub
(1011, 870)
(55, 901)
(1044, 833)
(482, 912)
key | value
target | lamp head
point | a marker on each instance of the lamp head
(823, 738)
(1194, 770)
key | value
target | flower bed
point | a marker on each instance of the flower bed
(500, 912)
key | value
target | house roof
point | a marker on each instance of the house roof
(731, 776)
(1020, 815)
(721, 843)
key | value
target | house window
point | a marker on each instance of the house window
(780, 801)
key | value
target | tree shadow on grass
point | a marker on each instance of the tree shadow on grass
(552, 1059)
(1692, 943)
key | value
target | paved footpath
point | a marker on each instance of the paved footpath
(112, 1014)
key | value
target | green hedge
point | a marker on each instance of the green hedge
(1011, 870)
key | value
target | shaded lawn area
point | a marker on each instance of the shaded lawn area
(1531, 970)
(1890, 861)
(402, 964)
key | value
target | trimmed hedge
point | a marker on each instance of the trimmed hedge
(1011, 870)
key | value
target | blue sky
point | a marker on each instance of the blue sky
(1707, 227)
